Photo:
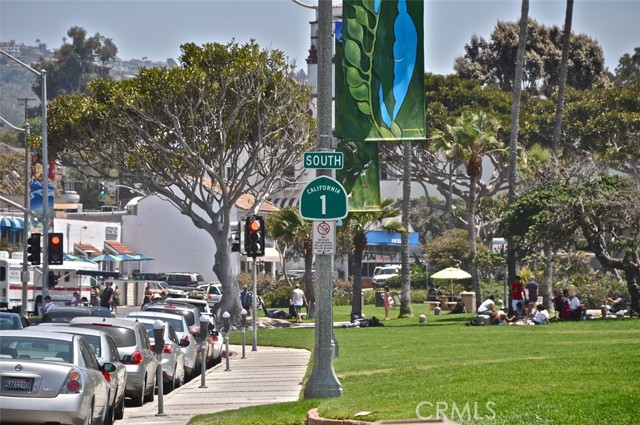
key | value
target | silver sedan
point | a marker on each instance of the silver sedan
(51, 377)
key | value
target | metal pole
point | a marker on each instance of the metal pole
(204, 324)
(254, 306)
(45, 190)
(323, 382)
(226, 319)
(24, 276)
(160, 385)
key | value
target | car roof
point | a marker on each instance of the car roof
(57, 328)
(8, 314)
(38, 334)
(159, 315)
(101, 321)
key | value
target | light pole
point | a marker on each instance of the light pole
(24, 275)
(45, 174)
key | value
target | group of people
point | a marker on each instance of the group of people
(523, 314)
(108, 297)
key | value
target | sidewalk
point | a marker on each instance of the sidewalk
(268, 375)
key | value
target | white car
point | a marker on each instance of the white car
(383, 274)
(212, 292)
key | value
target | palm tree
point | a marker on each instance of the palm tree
(357, 224)
(292, 237)
(467, 142)
(515, 116)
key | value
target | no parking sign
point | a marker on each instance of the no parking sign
(324, 237)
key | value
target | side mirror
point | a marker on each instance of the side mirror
(184, 342)
(108, 367)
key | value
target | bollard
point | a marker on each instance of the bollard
(158, 347)
(243, 319)
(226, 324)
(204, 329)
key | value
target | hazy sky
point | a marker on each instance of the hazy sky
(156, 28)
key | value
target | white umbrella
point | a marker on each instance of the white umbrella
(451, 273)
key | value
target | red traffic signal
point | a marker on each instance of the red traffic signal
(254, 242)
(55, 250)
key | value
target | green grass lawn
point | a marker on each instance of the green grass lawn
(584, 372)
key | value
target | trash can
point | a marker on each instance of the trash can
(379, 298)
(469, 300)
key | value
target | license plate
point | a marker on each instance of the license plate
(17, 384)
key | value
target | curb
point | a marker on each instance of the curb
(314, 419)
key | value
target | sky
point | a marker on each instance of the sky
(155, 29)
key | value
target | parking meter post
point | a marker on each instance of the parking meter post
(204, 329)
(158, 347)
(243, 320)
(226, 323)
(254, 306)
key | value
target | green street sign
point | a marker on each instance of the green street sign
(323, 199)
(324, 160)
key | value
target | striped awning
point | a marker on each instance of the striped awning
(285, 202)
(12, 224)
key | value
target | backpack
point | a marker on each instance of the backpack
(374, 321)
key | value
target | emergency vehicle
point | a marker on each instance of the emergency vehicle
(65, 279)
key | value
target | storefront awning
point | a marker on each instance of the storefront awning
(385, 237)
(11, 224)
(285, 202)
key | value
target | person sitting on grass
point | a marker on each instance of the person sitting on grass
(613, 305)
(459, 308)
(577, 310)
(488, 308)
(541, 317)
(519, 315)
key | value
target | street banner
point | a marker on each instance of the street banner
(380, 71)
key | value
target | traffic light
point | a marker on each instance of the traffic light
(55, 251)
(53, 279)
(34, 248)
(236, 235)
(102, 190)
(254, 236)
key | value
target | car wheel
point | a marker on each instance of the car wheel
(138, 399)
(149, 397)
(119, 410)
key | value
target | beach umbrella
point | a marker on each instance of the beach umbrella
(451, 274)
(69, 257)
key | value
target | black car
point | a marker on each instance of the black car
(65, 314)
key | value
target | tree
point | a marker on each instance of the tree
(493, 62)
(75, 64)
(581, 206)
(628, 69)
(473, 137)
(229, 122)
(354, 229)
(292, 236)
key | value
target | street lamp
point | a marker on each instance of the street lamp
(226, 327)
(45, 171)
(24, 275)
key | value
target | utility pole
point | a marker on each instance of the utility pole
(323, 382)
(26, 100)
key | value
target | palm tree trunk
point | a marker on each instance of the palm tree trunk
(471, 236)
(557, 127)
(406, 309)
(356, 298)
(513, 139)
(547, 282)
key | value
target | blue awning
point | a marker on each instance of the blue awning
(385, 237)
(12, 224)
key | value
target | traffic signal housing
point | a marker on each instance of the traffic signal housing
(53, 279)
(254, 241)
(34, 249)
(55, 251)
(102, 190)
(236, 235)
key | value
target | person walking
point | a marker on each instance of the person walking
(48, 305)
(387, 302)
(298, 299)
(107, 294)
(532, 291)
(115, 299)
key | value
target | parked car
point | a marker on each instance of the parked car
(65, 314)
(192, 315)
(105, 350)
(182, 280)
(12, 321)
(172, 354)
(131, 339)
(158, 286)
(51, 377)
(148, 276)
(383, 274)
(211, 291)
(191, 350)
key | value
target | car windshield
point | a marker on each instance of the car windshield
(31, 348)
(176, 323)
(188, 315)
(123, 337)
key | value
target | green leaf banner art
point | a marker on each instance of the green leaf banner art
(379, 80)
(380, 71)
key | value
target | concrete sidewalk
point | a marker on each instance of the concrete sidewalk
(268, 375)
